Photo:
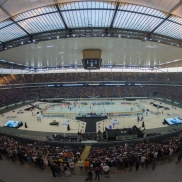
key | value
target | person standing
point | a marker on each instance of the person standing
(90, 174)
(86, 165)
(97, 174)
(106, 169)
(179, 157)
(66, 171)
(143, 161)
(154, 162)
(147, 161)
(137, 164)
(80, 164)
(58, 171)
(53, 169)
(0, 156)
(72, 167)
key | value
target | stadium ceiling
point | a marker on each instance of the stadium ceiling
(25, 23)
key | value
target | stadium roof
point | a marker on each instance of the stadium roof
(38, 33)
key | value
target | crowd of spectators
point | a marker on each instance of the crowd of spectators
(15, 95)
(40, 155)
(91, 76)
(102, 158)
(126, 156)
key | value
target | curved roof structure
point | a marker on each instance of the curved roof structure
(23, 22)
(14, 7)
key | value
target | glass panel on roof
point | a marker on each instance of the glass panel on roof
(86, 18)
(170, 29)
(86, 5)
(175, 19)
(11, 32)
(135, 21)
(142, 9)
(5, 23)
(35, 12)
(42, 23)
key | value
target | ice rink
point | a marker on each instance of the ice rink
(96, 107)
(152, 119)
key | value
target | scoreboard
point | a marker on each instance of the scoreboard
(91, 63)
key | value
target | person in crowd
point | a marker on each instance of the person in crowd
(89, 175)
(106, 169)
(53, 169)
(0, 156)
(147, 159)
(30, 161)
(72, 167)
(179, 157)
(131, 162)
(19, 155)
(58, 171)
(86, 165)
(154, 163)
(80, 164)
(143, 160)
(137, 164)
(120, 166)
(66, 170)
(97, 173)
(45, 161)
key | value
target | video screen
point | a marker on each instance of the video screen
(91, 63)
